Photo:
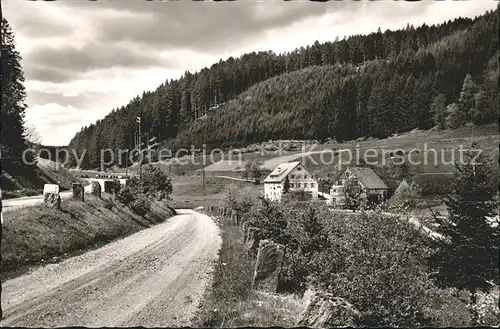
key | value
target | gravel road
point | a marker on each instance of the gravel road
(155, 277)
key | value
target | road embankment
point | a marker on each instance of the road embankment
(35, 236)
(152, 278)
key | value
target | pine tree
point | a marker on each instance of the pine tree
(480, 114)
(466, 102)
(13, 142)
(454, 117)
(438, 110)
(467, 257)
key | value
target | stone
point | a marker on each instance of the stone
(268, 266)
(50, 188)
(323, 310)
(108, 186)
(78, 191)
(95, 189)
(52, 200)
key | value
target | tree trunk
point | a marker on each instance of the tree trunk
(473, 308)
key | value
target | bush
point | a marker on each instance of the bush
(136, 202)
(155, 183)
(126, 195)
(271, 219)
(372, 260)
(140, 206)
(375, 262)
(235, 198)
(405, 197)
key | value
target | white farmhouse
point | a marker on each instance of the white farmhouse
(370, 183)
(299, 177)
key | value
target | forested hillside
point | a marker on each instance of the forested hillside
(373, 85)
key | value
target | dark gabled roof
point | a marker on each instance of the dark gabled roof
(368, 178)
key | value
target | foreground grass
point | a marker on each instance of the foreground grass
(36, 235)
(230, 301)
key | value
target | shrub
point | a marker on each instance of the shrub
(271, 219)
(405, 197)
(375, 262)
(141, 206)
(372, 260)
(154, 183)
(125, 195)
(235, 198)
(231, 195)
(307, 238)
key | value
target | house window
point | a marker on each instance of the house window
(312, 184)
(299, 168)
(292, 185)
(299, 177)
(299, 185)
(305, 176)
(334, 190)
(293, 176)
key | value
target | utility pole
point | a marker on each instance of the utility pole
(140, 148)
(2, 66)
(203, 172)
(126, 165)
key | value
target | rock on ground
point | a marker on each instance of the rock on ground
(96, 189)
(78, 191)
(324, 310)
(268, 266)
(52, 200)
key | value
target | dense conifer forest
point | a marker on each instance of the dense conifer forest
(366, 85)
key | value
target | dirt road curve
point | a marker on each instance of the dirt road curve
(153, 278)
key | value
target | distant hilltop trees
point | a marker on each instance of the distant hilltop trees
(373, 85)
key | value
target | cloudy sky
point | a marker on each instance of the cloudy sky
(82, 59)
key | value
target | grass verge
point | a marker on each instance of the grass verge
(35, 236)
(230, 301)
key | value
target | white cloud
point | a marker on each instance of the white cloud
(57, 124)
(102, 89)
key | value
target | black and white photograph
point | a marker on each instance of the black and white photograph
(246, 163)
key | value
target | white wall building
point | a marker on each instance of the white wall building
(299, 177)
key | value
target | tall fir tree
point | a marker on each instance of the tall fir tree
(13, 141)
(467, 257)
(466, 102)
(438, 110)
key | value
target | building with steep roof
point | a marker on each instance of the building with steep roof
(370, 184)
(299, 177)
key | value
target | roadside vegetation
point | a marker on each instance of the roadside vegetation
(230, 301)
(39, 235)
(392, 272)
